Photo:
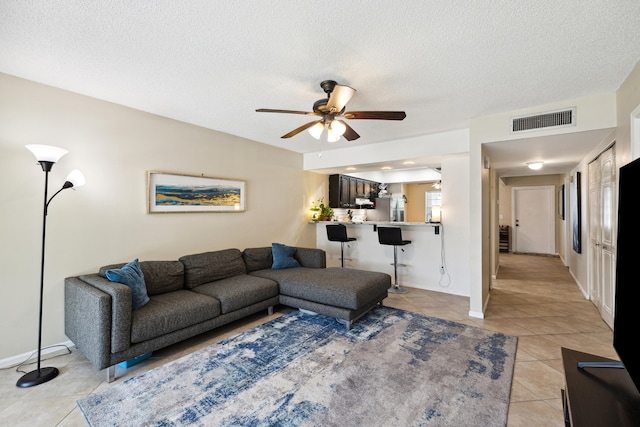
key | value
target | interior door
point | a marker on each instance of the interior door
(534, 217)
(602, 190)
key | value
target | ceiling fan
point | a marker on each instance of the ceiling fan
(331, 111)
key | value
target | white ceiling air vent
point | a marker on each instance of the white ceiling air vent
(551, 119)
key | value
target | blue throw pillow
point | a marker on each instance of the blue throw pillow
(283, 256)
(132, 276)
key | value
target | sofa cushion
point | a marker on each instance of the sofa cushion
(159, 276)
(257, 258)
(211, 266)
(311, 257)
(239, 291)
(170, 312)
(261, 258)
(131, 275)
(283, 256)
(340, 287)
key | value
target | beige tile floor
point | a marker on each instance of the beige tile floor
(534, 298)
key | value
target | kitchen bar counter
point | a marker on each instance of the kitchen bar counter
(385, 223)
(423, 257)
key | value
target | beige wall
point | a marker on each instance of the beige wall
(415, 209)
(106, 220)
(627, 101)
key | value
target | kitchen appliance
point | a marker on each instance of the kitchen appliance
(387, 209)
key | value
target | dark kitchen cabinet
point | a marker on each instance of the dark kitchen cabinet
(343, 190)
(345, 184)
(351, 202)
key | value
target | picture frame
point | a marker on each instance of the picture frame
(576, 212)
(561, 202)
(170, 192)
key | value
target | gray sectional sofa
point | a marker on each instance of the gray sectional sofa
(203, 291)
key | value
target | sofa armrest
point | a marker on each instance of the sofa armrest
(311, 257)
(121, 308)
(87, 320)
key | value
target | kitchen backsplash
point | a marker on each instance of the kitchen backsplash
(356, 214)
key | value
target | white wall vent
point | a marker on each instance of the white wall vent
(551, 119)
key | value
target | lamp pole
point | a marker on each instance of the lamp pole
(42, 375)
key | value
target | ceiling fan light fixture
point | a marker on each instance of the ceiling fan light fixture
(335, 131)
(537, 165)
(332, 137)
(326, 110)
(316, 130)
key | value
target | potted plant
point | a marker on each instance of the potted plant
(315, 209)
(321, 212)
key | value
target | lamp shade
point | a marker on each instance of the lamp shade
(316, 130)
(47, 153)
(76, 178)
(336, 130)
(436, 213)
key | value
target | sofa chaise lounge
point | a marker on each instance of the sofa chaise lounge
(203, 291)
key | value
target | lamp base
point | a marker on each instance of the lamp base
(38, 377)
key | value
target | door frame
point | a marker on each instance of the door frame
(551, 190)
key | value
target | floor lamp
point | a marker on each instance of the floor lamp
(47, 156)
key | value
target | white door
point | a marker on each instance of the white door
(602, 190)
(534, 217)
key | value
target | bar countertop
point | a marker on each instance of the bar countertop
(398, 223)
(422, 261)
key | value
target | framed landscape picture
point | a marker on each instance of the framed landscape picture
(561, 202)
(188, 193)
(576, 212)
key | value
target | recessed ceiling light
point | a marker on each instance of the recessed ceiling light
(535, 165)
(386, 167)
(409, 162)
(351, 168)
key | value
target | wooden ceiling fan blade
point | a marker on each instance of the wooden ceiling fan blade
(300, 129)
(349, 134)
(339, 98)
(375, 115)
(269, 110)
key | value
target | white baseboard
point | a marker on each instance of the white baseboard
(480, 315)
(48, 351)
(584, 292)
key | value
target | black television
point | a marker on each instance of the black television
(626, 323)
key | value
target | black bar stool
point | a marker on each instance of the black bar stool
(338, 233)
(393, 236)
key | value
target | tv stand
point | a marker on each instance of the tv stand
(604, 365)
(598, 397)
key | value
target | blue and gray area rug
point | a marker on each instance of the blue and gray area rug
(393, 368)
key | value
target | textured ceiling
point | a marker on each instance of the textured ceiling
(212, 63)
